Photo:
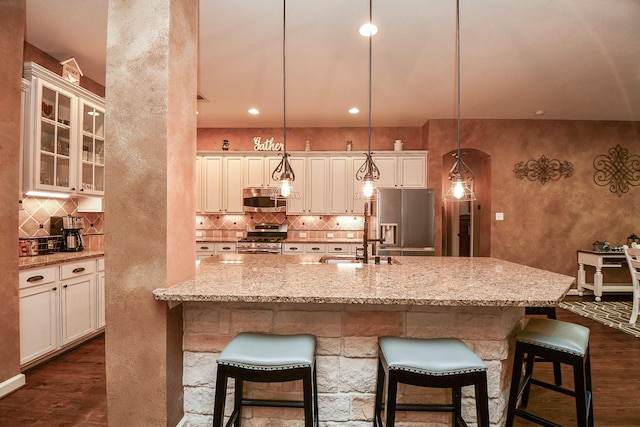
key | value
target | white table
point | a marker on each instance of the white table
(601, 261)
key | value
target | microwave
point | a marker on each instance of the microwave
(262, 200)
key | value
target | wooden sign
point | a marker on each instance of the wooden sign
(267, 145)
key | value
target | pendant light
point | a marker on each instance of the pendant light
(369, 172)
(460, 175)
(283, 173)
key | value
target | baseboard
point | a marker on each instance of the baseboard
(182, 423)
(12, 384)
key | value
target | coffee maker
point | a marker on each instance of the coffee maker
(69, 227)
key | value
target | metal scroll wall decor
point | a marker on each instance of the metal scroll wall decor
(618, 170)
(543, 170)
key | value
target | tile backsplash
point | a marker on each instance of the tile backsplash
(35, 214)
(314, 226)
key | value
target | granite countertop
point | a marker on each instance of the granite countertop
(443, 281)
(25, 263)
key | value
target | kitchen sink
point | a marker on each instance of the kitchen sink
(353, 260)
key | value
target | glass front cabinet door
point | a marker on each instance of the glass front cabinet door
(54, 155)
(64, 136)
(92, 155)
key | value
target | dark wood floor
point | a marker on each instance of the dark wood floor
(70, 390)
(67, 391)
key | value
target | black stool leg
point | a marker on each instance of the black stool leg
(307, 388)
(220, 398)
(482, 402)
(456, 400)
(237, 401)
(392, 396)
(377, 412)
(515, 385)
(315, 396)
(588, 384)
(528, 374)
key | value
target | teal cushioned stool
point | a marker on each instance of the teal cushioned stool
(555, 341)
(438, 363)
(267, 358)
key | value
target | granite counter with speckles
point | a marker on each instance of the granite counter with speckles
(440, 281)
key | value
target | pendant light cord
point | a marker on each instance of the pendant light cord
(370, 70)
(458, 49)
(284, 73)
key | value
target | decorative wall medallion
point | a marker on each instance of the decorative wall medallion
(618, 170)
(543, 170)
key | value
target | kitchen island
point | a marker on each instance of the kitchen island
(347, 306)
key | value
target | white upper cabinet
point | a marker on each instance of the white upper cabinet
(64, 145)
(325, 181)
(219, 184)
(406, 171)
(258, 171)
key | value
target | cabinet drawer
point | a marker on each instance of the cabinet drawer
(100, 264)
(225, 247)
(315, 248)
(37, 276)
(339, 248)
(293, 248)
(205, 246)
(74, 269)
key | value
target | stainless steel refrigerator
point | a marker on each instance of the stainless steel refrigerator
(405, 219)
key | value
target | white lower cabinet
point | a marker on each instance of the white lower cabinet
(100, 316)
(39, 313)
(59, 305)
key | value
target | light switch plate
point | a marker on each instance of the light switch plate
(349, 235)
(238, 233)
(198, 233)
(303, 234)
(330, 235)
(499, 216)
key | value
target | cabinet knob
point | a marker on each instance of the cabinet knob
(65, 286)
(54, 289)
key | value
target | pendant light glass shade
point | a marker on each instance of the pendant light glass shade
(283, 173)
(460, 175)
(368, 172)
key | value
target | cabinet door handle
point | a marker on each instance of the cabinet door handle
(294, 248)
(204, 247)
(35, 279)
(77, 270)
(337, 249)
(226, 248)
(315, 249)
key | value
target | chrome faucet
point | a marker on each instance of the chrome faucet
(365, 237)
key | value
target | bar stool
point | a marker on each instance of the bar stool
(267, 358)
(438, 363)
(550, 312)
(556, 341)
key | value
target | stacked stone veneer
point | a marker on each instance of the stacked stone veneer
(346, 357)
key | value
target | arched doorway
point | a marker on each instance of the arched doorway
(466, 226)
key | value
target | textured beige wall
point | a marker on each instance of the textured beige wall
(151, 76)
(11, 33)
(546, 224)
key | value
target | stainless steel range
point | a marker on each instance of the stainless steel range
(263, 239)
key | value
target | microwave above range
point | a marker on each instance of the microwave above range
(262, 200)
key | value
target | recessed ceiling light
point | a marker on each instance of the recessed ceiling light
(540, 113)
(368, 30)
(254, 111)
(354, 110)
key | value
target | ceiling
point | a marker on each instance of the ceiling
(572, 59)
